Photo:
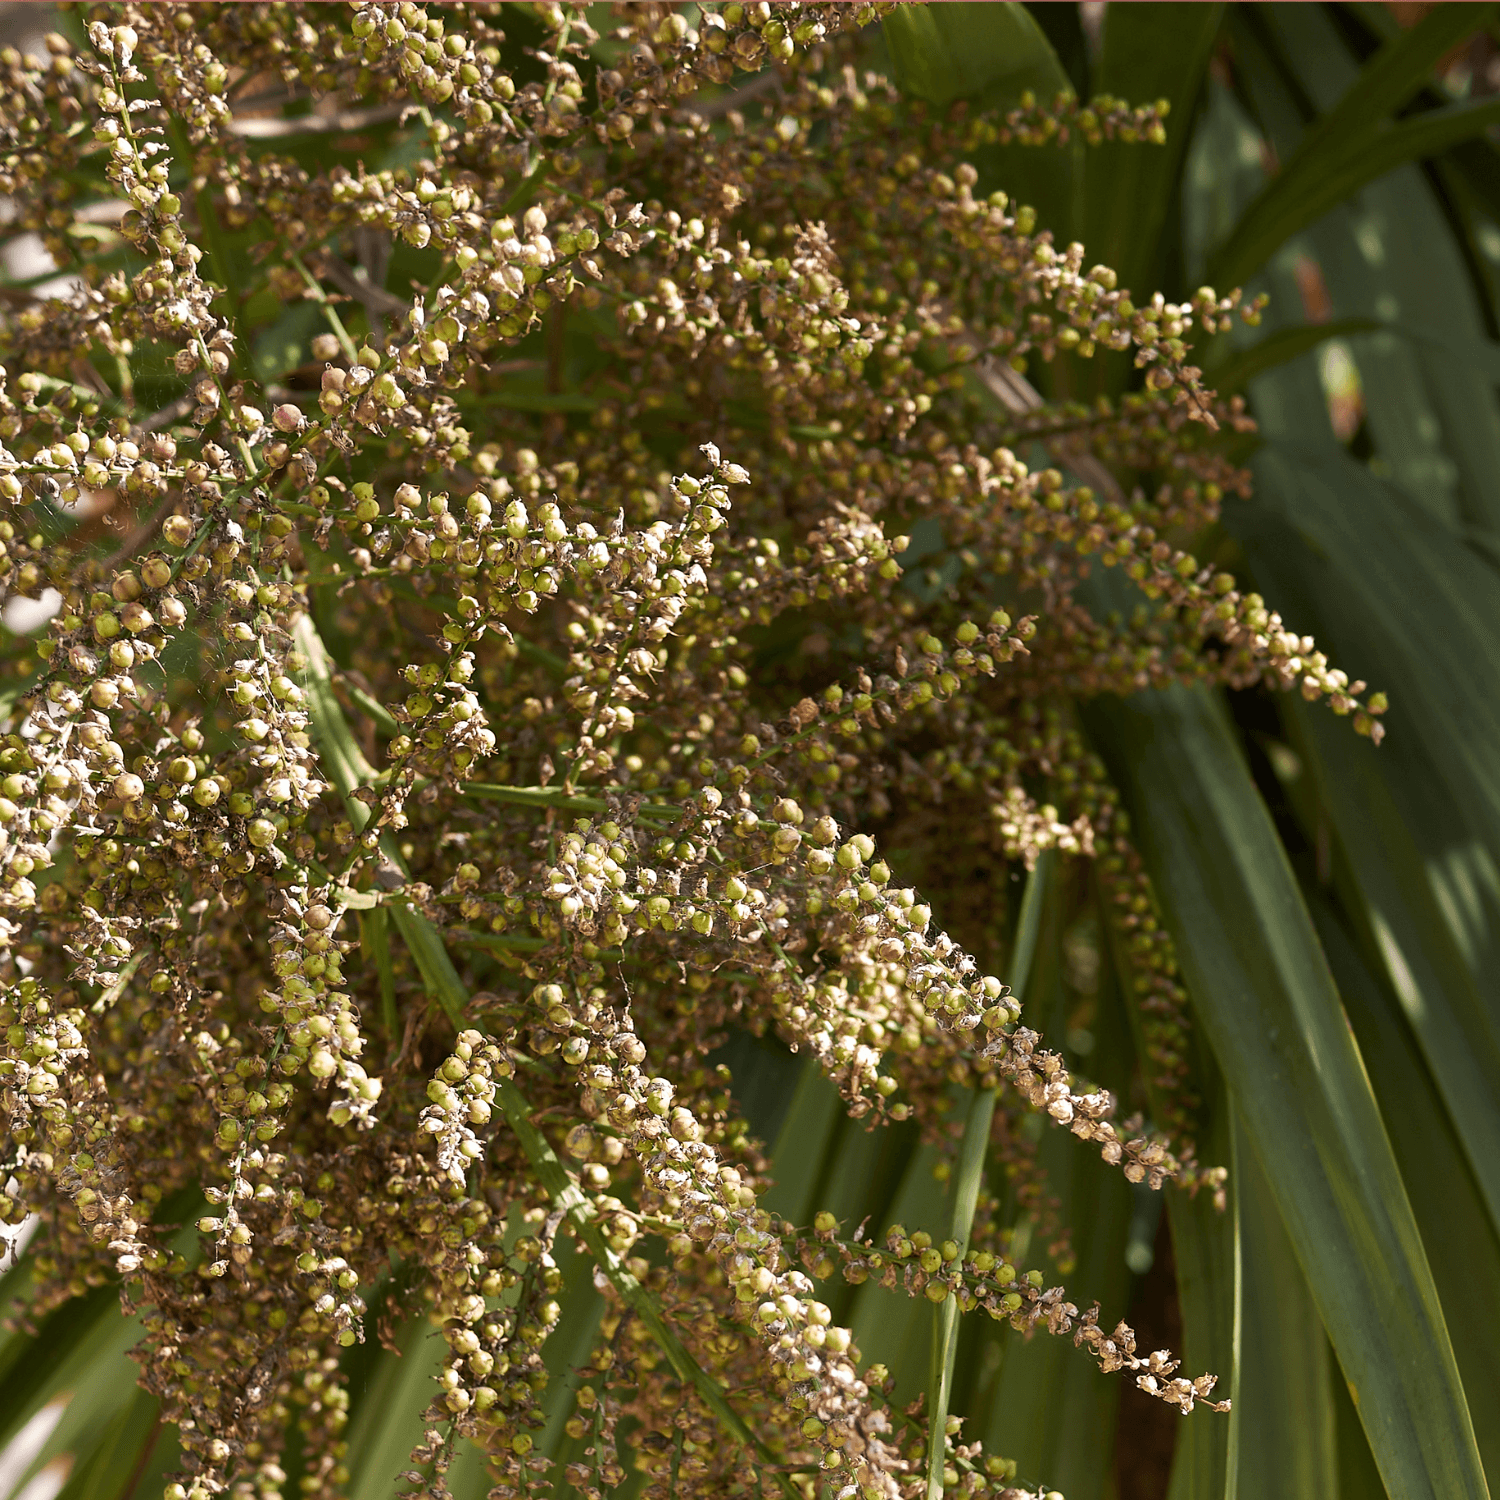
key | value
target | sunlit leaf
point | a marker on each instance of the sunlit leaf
(1268, 1006)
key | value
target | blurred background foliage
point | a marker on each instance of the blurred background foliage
(1343, 159)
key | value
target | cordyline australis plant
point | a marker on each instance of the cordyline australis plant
(398, 805)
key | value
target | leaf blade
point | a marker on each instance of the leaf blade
(946, 52)
(1420, 818)
(1268, 1007)
(1286, 1435)
(1462, 1245)
(1340, 153)
(968, 1177)
(1149, 52)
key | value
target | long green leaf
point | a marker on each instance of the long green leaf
(1268, 1007)
(803, 1146)
(348, 769)
(95, 1376)
(1205, 1248)
(1353, 145)
(120, 1449)
(31, 1365)
(1401, 67)
(1150, 51)
(1035, 1400)
(1393, 596)
(1358, 1474)
(1427, 135)
(1422, 850)
(1393, 254)
(1205, 1245)
(968, 1178)
(387, 1420)
(1040, 1401)
(568, 1344)
(1286, 1439)
(945, 52)
(1463, 1247)
(1240, 368)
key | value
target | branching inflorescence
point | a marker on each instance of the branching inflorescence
(445, 730)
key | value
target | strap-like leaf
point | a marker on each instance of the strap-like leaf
(1390, 78)
(968, 1179)
(1398, 253)
(1149, 52)
(1205, 1247)
(1463, 1247)
(1476, 356)
(945, 52)
(29, 1366)
(1239, 369)
(1286, 1439)
(388, 1421)
(1047, 1407)
(1398, 599)
(1353, 144)
(803, 1145)
(120, 1447)
(1309, 199)
(1268, 1007)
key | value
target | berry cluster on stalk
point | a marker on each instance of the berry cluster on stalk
(529, 584)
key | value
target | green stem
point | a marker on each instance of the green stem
(315, 290)
(375, 709)
(376, 931)
(426, 947)
(348, 769)
(967, 1182)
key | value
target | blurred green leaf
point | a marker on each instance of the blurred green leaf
(1354, 144)
(1150, 51)
(1359, 1477)
(1463, 1247)
(1264, 231)
(1239, 369)
(120, 1448)
(96, 1378)
(33, 1368)
(1420, 816)
(892, 1327)
(1205, 1246)
(1396, 252)
(1041, 888)
(942, 53)
(1386, 82)
(387, 1417)
(1285, 1440)
(1039, 1400)
(1262, 992)
(802, 1149)
(569, 1343)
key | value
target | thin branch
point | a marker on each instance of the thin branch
(374, 298)
(715, 109)
(1017, 394)
(168, 414)
(260, 129)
